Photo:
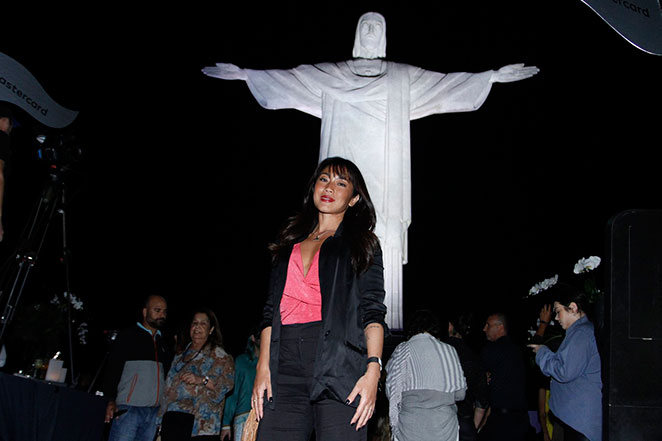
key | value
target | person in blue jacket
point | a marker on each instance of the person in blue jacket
(575, 369)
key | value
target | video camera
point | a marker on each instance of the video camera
(59, 148)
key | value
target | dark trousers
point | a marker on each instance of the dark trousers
(176, 426)
(468, 430)
(294, 417)
(570, 434)
(505, 425)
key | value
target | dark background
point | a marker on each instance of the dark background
(184, 179)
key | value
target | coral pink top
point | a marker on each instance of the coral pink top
(302, 298)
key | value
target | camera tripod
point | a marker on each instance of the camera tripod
(17, 270)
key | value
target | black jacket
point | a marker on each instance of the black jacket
(350, 302)
(136, 369)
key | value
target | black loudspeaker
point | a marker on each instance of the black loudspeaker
(631, 340)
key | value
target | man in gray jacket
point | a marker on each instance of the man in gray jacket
(135, 379)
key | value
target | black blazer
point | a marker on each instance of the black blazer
(350, 302)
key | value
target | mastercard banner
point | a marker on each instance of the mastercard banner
(638, 21)
(18, 86)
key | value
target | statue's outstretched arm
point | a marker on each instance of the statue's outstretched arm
(225, 71)
(514, 72)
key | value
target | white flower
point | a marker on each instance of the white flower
(585, 265)
(535, 289)
(55, 300)
(545, 284)
(75, 301)
(82, 333)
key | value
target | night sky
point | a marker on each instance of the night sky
(185, 179)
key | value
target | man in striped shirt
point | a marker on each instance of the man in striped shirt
(424, 380)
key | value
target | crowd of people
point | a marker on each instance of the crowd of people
(314, 364)
(440, 387)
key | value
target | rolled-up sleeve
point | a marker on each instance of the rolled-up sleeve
(371, 287)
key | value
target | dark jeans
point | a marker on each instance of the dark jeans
(136, 423)
(294, 417)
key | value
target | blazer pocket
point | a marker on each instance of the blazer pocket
(358, 347)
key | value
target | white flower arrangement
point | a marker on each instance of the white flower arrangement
(585, 265)
(544, 285)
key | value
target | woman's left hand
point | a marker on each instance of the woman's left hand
(534, 347)
(366, 387)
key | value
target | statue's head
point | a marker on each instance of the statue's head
(370, 40)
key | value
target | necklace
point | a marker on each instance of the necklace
(319, 235)
(181, 365)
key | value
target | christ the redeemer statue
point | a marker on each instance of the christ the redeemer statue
(365, 105)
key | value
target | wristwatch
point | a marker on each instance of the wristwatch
(205, 381)
(375, 360)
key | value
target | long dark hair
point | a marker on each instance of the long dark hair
(358, 223)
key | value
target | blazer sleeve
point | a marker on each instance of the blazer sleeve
(371, 287)
(268, 310)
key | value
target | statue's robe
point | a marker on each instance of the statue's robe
(365, 118)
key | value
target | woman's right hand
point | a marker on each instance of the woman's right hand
(545, 314)
(261, 387)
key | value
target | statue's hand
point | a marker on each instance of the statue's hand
(514, 72)
(225, 71)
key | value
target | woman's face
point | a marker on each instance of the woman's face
(566, 316)
(200, 328)
(333, 193)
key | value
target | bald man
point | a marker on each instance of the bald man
(135, 378)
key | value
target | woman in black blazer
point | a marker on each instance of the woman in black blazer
(322, 337)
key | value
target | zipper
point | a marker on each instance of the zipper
(158, 370)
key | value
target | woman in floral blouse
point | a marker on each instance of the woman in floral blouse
(198, 380)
